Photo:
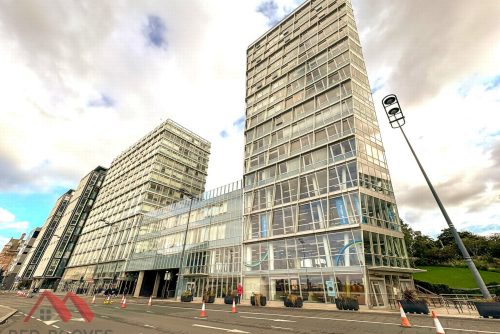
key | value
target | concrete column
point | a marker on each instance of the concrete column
(248, 258)
(270, 256)
(347, 258)
(326, 245)
(138, 286)
(157, 284)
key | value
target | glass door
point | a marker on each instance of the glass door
(282, 286)
(378, 295)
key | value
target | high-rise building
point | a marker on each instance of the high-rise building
(211, 225)
(44, 238)
(12, 278)
(150, 174)
(54, 258)
(320, 216)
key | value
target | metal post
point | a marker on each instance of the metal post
(183, 247)
(458, 240)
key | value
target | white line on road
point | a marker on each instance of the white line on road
(103, 316)
(55, 326)
(277, 327)
(330, 319)
(149, 326)
(279, 320)
(222, 329)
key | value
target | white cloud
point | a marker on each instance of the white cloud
(62, 60)
(3, 241)
(8, 222)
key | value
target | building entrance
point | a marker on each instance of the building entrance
(378, 293)
(282, 286)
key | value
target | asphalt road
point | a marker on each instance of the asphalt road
(184, 318)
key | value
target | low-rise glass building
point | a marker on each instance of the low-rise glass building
(212, 246)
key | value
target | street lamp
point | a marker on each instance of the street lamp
(181, 267)
(397, 120)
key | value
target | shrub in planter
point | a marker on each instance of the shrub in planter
(187, 296)
(411, 303)
(488, 308)
(258, 297)
(228, 299)
(293, 301)
(347, 303)
(209, 297)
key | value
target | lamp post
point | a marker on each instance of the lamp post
(181, 267)
(397, 120)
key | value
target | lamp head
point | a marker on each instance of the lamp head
(388, 100)
(393, 111)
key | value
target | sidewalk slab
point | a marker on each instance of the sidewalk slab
(5, 313)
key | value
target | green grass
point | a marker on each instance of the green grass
(459, 278)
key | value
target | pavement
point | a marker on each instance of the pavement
(6, 312)
(176, 317)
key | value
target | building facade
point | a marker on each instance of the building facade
(148, 175)
(208, 229)
(320, 217)
(12, 278)
(42, 241)
(53, 261)
(8, 254)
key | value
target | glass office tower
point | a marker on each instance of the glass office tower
(320, 218)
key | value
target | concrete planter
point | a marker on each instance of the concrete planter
(419, 306)
(347, 304)
(263, 300)
(488, 309)
(186, 298)
(297, 303)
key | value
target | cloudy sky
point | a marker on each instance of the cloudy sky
(83, 80)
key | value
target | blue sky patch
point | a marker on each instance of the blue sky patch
(377, 85)
(239, 124)
(33, 208)
(493, 83)
(104, 101)
(155, 31)
(224, 134)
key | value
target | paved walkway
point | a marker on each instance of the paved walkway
(441, 311)
(5, 313)
(450, 312)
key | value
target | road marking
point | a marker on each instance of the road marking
(277, 327)
(460, 330)
(149, 326)
(78, 319)
(282, 320)
(149, 312)
(222, 329)
(330, 319)
(50, 322)
(55, 326)
(103, 316)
